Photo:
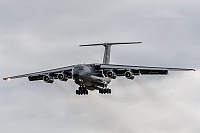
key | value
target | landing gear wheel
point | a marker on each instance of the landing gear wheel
(77, 92)
(86, 92)
(100, 91)
(105, 91)
(109, 91)
(82, 91)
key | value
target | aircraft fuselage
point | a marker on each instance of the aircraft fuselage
(88, 76)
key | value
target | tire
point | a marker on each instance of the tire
(104, 91)
(86, 92)
(100, 91)
(109, 91)
(77, 92)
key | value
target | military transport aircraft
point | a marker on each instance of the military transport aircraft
(96, 76)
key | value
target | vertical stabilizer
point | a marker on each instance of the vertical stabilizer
(106, 58)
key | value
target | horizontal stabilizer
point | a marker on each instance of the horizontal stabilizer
(106, 58)
(109, 44)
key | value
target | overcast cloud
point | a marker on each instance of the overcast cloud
(44, 34)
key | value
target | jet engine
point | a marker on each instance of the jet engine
(48, 79)
(111, 74)
(129, 75)
(62, 77)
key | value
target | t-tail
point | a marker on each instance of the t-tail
(106, 58)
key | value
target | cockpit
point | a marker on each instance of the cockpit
(79, 67)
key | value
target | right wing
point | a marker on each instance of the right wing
(120, 70)
(39, 75)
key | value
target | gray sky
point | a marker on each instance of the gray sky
(43, 34)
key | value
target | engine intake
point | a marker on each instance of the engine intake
(129, 75)
(111, 74)
(48, 79)
(62, 77)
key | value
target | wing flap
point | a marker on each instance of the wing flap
(35, 78)
(153, 72)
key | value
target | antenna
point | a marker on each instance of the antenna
(106, 58)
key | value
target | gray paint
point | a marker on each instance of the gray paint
(39, 35)
(106, 58)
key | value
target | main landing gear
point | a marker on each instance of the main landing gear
(82, 91)
(105, 91)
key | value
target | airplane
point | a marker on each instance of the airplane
(96, 76)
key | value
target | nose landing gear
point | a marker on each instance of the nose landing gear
(82, 91)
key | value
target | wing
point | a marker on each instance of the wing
(39, 75)
(120, 70)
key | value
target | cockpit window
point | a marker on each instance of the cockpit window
(79, 67)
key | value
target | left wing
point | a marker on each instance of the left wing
(39, 75)
(120, 70)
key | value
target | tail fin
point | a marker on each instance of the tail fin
(106, 59)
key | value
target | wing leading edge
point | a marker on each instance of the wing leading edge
(39, 75)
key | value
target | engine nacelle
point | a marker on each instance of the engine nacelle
(48, 79)
(62, 77)
(129, 75)
(111, 74)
